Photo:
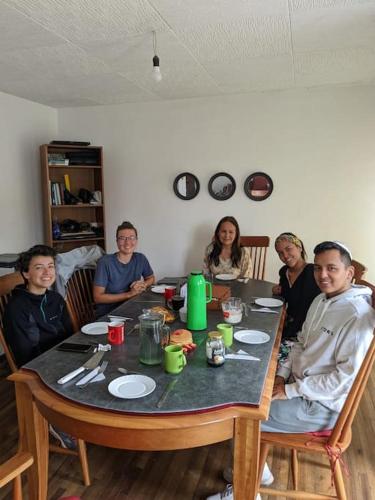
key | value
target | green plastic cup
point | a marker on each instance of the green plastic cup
(227, 333)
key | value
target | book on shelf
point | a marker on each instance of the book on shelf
(58, 162)
(57, 193)
(53, 194)
(77, 235)
(67, 181)
(57, 159)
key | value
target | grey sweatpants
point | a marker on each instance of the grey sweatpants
(299, 415)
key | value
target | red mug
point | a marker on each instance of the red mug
(116, 333)
(169, 291)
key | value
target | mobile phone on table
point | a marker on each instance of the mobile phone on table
(72, 347)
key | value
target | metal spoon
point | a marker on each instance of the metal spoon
(127, 372)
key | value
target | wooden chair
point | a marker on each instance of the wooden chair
(258, 252)
(79, 299)
(359, 271)
(372, 287)
(332, 446)
(12, 469)
(7, 283)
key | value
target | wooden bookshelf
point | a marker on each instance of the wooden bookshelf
(87, 174)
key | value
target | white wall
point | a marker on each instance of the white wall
(318, 146)
(24, 125)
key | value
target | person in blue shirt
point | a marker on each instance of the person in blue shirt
(121, 275)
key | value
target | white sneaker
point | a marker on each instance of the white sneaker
(227, 494)
(267, 476)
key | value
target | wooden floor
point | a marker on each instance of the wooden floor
(187, 474)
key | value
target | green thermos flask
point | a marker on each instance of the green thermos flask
(196, 301)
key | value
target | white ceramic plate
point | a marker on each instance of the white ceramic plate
(158, 288)
(225, 277)
(251, 336)
(132, 386)
(98, 328)
(269, 302)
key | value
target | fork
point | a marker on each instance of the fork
(102, 368)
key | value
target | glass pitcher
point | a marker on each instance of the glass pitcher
(232, 310)
(154, 335)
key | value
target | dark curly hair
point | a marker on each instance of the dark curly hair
(24, 259)
(213, 257)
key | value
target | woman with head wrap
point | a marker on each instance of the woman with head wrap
(296, 284)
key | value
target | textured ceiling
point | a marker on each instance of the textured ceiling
(88, 52)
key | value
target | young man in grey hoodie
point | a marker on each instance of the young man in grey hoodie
(312, 384)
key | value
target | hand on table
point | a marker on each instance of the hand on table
(138, 286)
(276, 290)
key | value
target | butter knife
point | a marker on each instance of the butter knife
(90, 364)
(263, 310)
(167, 390)
(84, 381)
(118, 318)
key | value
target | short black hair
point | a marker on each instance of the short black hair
(126, 225)
(24, 259)
(334, 245)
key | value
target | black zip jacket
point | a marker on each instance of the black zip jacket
(35, 323)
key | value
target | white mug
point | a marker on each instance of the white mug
(183, 314)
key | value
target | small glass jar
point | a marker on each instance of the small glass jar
(215, 349)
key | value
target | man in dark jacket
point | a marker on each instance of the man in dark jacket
(35, 318)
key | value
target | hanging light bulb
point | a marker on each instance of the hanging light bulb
(156, 73)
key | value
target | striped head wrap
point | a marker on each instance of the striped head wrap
(290, 237)
(293, 239)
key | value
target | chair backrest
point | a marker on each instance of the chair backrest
(7, 283)
(79, 299)
(12, 469)
(359, 271)
(258, 246)
(369, 285)
(344, 422)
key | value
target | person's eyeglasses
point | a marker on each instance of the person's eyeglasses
(127, 238)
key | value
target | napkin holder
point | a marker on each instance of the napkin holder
(220, 293)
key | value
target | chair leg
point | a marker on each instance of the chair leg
(82, 453)
(295, 469)
(264, 449)
(339, 482)
(17, 488)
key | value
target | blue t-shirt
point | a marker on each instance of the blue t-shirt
(117, 277)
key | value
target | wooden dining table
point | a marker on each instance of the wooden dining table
(207, 405)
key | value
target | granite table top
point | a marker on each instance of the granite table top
(199, 387)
